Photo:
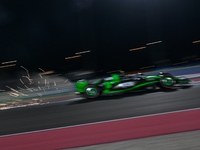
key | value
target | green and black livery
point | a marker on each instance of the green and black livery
(118, 83)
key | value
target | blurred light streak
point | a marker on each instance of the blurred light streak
(39, 88)
(41, 69)
(44, 73)
(28, 88)
(13, 94)
(40, 76)
(114, 71)
(82, 52)
(11, 89)
(20, 88)
(154, 43)
(8, 66)
(30, 80)
(196, 41)
(148, 67)
(21, 81)
(8, 62)
(26, 70)
(73, 57)
(84, 73)
(137, 48)
(17, 92)
(47, 72)
(180, 63)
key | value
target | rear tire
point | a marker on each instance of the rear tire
(91, 91)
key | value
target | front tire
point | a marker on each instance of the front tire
(91, 91)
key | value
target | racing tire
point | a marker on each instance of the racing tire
(91, 91)
(167, 81)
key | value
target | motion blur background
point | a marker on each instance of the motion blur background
(46, 43)
(124, 35)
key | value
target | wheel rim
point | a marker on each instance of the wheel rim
(167, 81)
(91, 91)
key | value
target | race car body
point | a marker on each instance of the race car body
(124, 83)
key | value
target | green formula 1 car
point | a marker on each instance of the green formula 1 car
(118, 83)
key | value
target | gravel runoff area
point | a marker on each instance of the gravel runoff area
(178, 141)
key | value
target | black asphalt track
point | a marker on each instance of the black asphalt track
(69, 113)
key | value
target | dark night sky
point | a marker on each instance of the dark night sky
(41, 33)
